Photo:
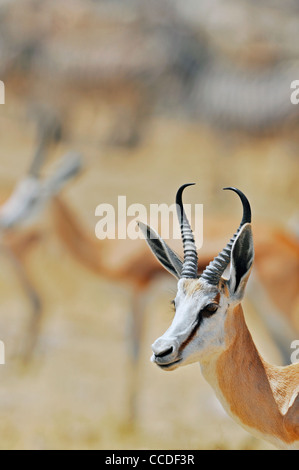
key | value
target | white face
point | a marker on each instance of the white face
(197, 330)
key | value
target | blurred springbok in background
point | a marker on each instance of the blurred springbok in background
(178, 62)
(20, 212)
(209, 328)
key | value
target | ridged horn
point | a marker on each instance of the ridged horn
(216, 268)
(190, 264)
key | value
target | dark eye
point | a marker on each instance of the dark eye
(210, 309)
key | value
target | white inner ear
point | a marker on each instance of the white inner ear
(226, 272)
(232, 278)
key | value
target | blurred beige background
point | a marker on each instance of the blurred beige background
(152, 95)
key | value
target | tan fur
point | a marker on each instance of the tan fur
(191, 286)
(223, 287)
(257, 394)
(127, 261)
(216, 300)
(277, 265)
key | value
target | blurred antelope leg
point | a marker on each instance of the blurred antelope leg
(32, 330)
(135, 329)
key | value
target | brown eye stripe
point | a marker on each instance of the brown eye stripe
(197, 325)
(191, 336)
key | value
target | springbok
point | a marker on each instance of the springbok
(18, 215)
(209, 328)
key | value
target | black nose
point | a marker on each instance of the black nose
(164, 353)
(165, 350)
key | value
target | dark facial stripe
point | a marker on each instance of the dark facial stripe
(192, 334)
(196, 326)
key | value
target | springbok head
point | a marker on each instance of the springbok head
(202, 301)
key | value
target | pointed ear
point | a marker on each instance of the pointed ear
(241, 261)
(162, 251)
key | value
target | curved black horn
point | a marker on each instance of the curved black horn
(216, 268)
(189, 269)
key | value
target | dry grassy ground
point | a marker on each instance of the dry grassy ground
(74, 393)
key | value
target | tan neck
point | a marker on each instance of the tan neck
(127, 261)
(85, 248)
(247, 386)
